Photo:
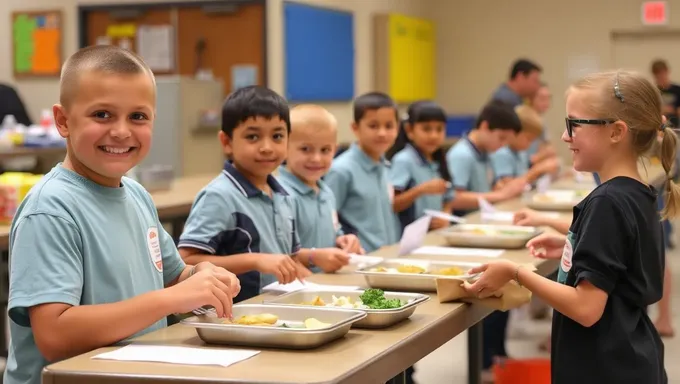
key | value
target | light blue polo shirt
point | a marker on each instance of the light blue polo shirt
(79, 243)
(363, 197)
(315, 213)
(507, 95)
(470, 168)
(509, 163)
(410, 168)
(231, 216)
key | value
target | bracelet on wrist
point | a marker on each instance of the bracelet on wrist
(517, 275)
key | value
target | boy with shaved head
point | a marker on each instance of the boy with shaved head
(311, 148)
(90, 263)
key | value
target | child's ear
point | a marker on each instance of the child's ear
(226, 143)
(483, 126)
(355, 128)
(60, 120)
(618, 131)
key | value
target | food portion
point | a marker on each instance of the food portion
(446, 271)
(410, 269)
(269, 320)
(370, 299)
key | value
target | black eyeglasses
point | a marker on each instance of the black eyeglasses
(571, 122)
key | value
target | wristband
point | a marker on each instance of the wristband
(310, 260)
(517, 275)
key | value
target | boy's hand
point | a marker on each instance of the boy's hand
(222, 274)
(494, 276)
(438, 223)
(434, 187)
(514, 187)
(330, 259)
(284, 267)
(205, 287)
(350, 244)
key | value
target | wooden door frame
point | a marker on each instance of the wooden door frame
(85, 9)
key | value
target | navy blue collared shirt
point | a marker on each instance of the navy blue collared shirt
(231, 216)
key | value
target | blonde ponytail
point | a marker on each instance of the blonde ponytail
(669, 145)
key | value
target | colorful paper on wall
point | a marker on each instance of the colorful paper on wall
(412, 58)
(121, 30)
(37, 43)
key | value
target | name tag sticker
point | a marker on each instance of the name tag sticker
(154, 245)
(390, 192)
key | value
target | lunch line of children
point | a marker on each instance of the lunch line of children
(101, 252)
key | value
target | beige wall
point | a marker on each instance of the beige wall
(39, 94)
(479, 39)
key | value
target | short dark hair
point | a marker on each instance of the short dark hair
(109, 59)
(370, 102)
(524, 67)
(499, 115)
(251, 102)
(659, 66)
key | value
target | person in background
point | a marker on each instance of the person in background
(468, 162)
(512, 161)
(359, 176)
(541, 148)
(90, 262)
(312, 143)
(670, 92)
(11, 104)
(613, 258)
(419, 172)
(524, 82)
(244, 220)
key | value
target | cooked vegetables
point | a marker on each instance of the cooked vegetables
(375, 299)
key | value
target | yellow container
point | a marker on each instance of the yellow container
(13, 189)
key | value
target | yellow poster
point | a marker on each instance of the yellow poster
(412, 58)
(127, 30)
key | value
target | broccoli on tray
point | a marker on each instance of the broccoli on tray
(375, 299)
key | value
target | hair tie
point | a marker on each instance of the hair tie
(662, 127)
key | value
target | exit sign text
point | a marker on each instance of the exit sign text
(655, 13)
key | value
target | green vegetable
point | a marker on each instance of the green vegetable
(375, 299)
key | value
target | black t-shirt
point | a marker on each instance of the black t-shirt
(671, 97)
(615, 242)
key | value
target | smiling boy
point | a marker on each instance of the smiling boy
(90, 263)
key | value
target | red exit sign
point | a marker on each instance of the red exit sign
(655, 13)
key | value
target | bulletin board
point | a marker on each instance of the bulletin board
(319, 53)
(405, 57)
(195, 31)
(37, 43)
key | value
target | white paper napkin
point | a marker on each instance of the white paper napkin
(178, 355)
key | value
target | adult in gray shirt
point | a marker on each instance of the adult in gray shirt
(524, 82)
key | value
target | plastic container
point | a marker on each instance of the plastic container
(524, 371)
(13, 189)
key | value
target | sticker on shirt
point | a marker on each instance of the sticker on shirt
(565, 262)
(390, 192)
(336, 220)
(154, 245)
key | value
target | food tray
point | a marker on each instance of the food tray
(412, 282)
(213, 330)
(489, 236)
(556, 200)
(376, 318)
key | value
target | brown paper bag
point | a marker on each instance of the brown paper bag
(510, 296)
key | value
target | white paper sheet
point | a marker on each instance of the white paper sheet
(298, 286)
(543, 183)
(178, 355)
(156, 45)
(444, 216)
(359, 261)
(453, 251)
(414, 235)
(485, 206)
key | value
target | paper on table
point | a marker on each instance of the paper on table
(543, 183)
(298, 286)
(178, 355)
(414, 235)
(360, 261)
(444, 216)
(485, 206)
(453, 251)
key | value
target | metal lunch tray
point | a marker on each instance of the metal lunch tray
(559, 201)
(412, 282)
(213, 330)
(376, 318)
(462, 235)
